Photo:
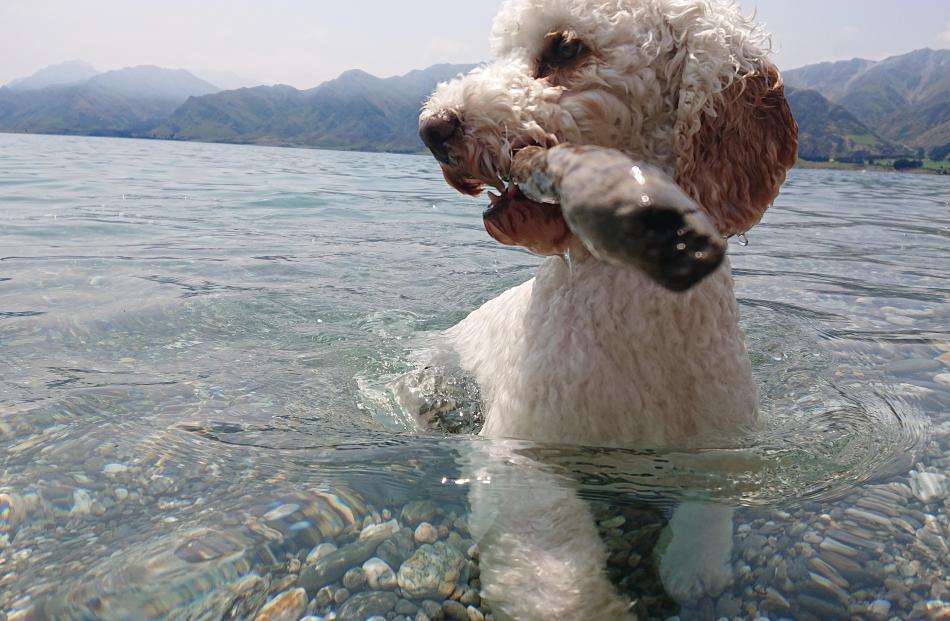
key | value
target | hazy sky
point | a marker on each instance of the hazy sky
(304, 42)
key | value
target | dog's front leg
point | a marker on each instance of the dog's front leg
(697, 560)
(541, 557)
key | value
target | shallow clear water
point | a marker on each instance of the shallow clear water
(195, 342)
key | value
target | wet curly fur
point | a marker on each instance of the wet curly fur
(593, 353)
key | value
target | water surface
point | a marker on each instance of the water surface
(195, 342)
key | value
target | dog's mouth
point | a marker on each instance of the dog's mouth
(515, 220)
(512, 218)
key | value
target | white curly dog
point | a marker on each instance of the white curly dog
(590, 352)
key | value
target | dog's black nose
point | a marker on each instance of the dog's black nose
(437, 131)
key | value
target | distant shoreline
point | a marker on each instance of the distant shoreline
(802, 164)
(273, 144)
(943, 169)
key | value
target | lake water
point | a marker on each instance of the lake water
(195, 346)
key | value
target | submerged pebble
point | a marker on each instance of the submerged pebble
(288, 606)
(379, 531)
(454, 611)
(320, 551)
(379, 574)
(426, 533)
(281, 512)
(432, 571)
(364, 605)
(333, 566)
(11, 514)
(355, 579)
(82, 503)
(417, 511)
(929, 486)
(879, 609)
(397, 548)
(114, 469)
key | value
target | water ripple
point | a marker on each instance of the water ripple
(198, 336)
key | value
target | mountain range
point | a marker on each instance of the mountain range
(849, 110)
(356, 111)
(63, 74)
(73, 98)
(905, 99)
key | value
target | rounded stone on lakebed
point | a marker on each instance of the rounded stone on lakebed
(355, 579)
(320, 551)
(418, 511)
(379, 575)
(432, 571)
(426, 533)
(366, 605)
(288, 606)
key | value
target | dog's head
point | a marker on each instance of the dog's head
(680, 84)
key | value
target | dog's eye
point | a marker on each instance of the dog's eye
(566, 51)
(562, 50)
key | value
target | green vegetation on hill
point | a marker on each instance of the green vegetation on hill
(149, 82)
(828, 131)
(830, 79)
(925, 166)
(80, 111)
(906, 99)
(856, 111)
(356, 111)
(126, 102)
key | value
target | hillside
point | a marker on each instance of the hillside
(149, 82)
(852, 110)
(70, 72)
(830, 79)
(829, 131)
(356, 111)
(126, 102)
(905, 98)
(81, 111)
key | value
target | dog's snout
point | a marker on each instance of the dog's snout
(438, 131)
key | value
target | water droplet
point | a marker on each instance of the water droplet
(570, 263)
(638, 175)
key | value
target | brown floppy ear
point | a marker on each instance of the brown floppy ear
(733, 150)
